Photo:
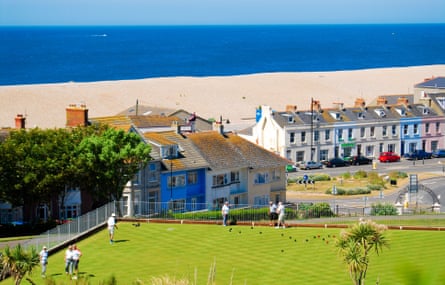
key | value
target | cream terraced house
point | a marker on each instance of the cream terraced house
(393, 123)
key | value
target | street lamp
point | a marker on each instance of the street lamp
(443, 166)
(171, 172)
(312, 129)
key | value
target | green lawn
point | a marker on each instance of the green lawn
(246, 255)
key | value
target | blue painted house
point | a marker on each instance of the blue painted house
(410, 130)
(182, 173)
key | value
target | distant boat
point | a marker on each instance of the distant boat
(99, 35)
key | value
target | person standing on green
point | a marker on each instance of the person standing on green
(43, 255)
(111, 226)
(281, 212)
(225, 212)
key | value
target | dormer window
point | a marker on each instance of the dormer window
(381, 113)
(336, 115)
(401, 111)
(290, 118)
(169, 151)
(425, 110)
(315, 117)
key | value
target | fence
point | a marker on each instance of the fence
(296, 213)
(72, 229)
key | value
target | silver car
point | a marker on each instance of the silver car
(311, 165)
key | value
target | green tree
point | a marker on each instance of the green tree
(107, 161)
(34, 167)
(17, 262)
(355, 245)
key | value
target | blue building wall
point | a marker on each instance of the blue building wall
(412, 136)
(191, 193)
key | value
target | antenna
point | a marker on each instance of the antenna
(137, 106)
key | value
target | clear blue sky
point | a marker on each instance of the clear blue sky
(216, 12)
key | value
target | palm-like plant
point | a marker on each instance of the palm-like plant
(355, 245)
(17, 262)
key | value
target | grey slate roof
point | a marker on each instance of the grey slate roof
(434, 98)
(437, 83)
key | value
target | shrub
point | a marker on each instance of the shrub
(355, 191)
(321, 177)
(316, 210)
(346, 175)
(321, 210)
(385, 209)
(397, 174)
(375, 179)
(358, 191)
(360, 174)
(374, 187)
(291, 180)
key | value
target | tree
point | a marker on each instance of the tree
(34, 167)
(37, 165)
(17, 262)
(355, 245)
(107, 161)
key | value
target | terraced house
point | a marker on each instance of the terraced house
(240, 171)
(193, 168)
(431, 93)
(393, 123)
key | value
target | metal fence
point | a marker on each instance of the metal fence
(73, 229)
(296, 213)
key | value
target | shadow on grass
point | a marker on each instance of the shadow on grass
(121, 240)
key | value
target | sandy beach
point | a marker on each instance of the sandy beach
(232, 97)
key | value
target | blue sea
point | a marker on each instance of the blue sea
(30, 55)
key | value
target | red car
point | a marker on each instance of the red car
(389, 157)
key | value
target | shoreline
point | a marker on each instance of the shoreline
(226, 76)
(232, 97)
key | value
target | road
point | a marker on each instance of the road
(435, 166)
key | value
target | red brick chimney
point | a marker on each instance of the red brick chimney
(291, 108)
(76, 115)
(402, 100)
(381, 101)
(359, 102)
(20, 121)
(316, 106)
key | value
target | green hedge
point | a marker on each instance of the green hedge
(385, 209)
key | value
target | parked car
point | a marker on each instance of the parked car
(417, 154)
(358, 160)
(389, 156)
(438, 153)
(311, 165)
(336, 162)
(291, 168)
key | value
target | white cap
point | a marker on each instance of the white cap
(113, 215)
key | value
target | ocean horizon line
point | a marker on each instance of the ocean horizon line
(225, 25)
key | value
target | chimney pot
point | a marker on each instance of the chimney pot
(359, 102)
(381, 101)
(76, 115)
(316, 105)
(20, 121)
(291, 108)
(402, 100)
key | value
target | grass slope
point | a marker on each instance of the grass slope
(247, 255)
